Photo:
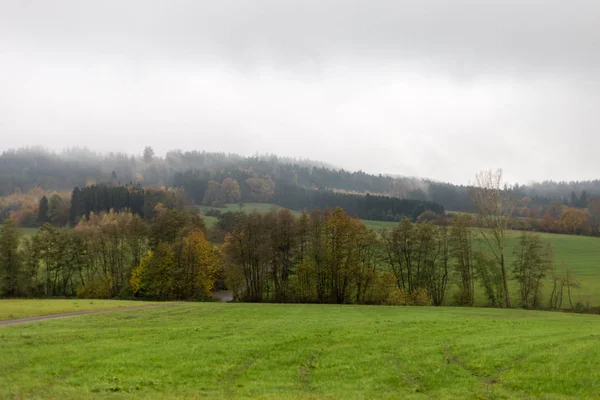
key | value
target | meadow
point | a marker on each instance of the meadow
(268, 351)
(23, 308)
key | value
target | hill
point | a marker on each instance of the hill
(23, 169)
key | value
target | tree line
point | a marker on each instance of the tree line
(331, 257)
(318, 257)
(112, 255)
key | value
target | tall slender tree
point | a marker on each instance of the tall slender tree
(496, 202)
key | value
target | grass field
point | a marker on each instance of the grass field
(266, 207)
(28, 231)
(219, 350)
(14, 309)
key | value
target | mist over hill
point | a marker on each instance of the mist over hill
(25, 168)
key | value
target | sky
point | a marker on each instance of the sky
(430, 88)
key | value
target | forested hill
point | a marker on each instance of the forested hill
(257, 177)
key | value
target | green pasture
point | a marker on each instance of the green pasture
(266, 351)
(23, 308)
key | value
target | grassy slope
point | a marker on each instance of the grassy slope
(13, 309)
(217, 350)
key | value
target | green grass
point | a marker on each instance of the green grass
(14, 309)
(27, 232)
(580, 253)
(379, 225)
(266, 207)
(265, 351)
(246, 207)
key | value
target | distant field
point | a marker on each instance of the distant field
(246, 207)
(14, 309)
(225, 351)
(266, 207)
(28, 231)
(580, 253)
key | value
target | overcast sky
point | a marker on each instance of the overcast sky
(437, 89)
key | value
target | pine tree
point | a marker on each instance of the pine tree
(43, 211)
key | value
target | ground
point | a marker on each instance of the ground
(23, 308)
(266, 351)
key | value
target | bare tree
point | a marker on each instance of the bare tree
(495, 202)
(571, 282)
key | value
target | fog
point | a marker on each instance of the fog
(437, 89)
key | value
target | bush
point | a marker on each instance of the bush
(401, 297)
(96, 289)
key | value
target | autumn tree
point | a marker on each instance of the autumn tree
(231, 190)
(261, 190)
(593, 209)
(197, 267)
(366, 269)
(532, 260)
(438, 266)
(573, 220)
(247, 256)
(495, 202)
(154, 277)
(60, 255)
(461, 250)
(214, 195)
(284, 245)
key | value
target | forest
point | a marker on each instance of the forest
(40, 186)
(24, 169)
(322, 256)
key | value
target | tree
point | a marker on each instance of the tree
(246, 257)
(43, 211)
(571, 282)
(197, 267)
(231, 190)
(283, 241)
(10, 259)
(58, 211)
(438, 267)
(532, 262)
(261, 190)
(154, 277)
(461, 251)
(148, 154)
(495, 202)
(214, 195)
(573, 220)
(593, 209)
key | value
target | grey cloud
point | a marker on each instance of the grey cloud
(429, 88)
(462, 36)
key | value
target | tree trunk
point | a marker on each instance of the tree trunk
(505, 280)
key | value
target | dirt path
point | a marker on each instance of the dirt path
(75, 313)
